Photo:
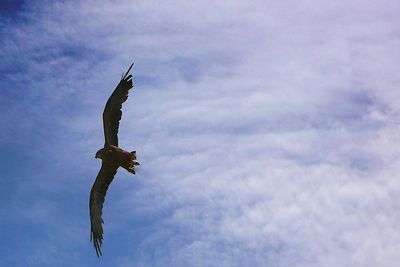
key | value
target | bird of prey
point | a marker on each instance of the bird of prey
(112, 158)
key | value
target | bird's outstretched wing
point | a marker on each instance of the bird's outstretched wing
(97, 196)
(112, 111)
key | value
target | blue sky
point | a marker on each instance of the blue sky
(268, 132)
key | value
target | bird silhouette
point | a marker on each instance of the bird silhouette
(112, 158)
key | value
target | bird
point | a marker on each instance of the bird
(112, 158)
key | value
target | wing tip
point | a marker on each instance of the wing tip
(124, 76)
(97, 242)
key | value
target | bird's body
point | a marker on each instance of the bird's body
(117, 157)
(112, 158)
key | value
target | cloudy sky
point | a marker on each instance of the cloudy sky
(268, 132)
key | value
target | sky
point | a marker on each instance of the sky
(267, 132)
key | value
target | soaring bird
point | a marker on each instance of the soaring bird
(112, 158)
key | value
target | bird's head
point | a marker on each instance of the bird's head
(99, 154)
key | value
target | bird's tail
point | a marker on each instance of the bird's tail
(133, 162)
